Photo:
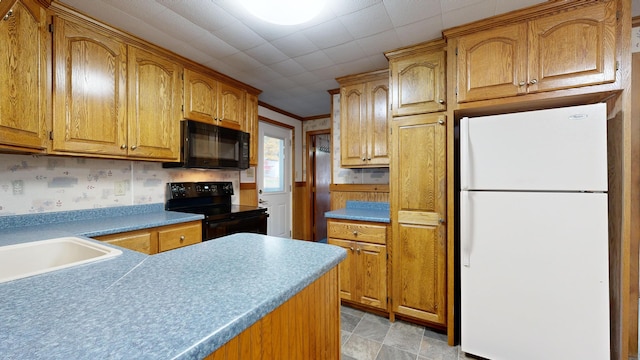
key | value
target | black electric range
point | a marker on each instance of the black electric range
(213, 200)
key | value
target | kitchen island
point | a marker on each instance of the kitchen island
(243, 295)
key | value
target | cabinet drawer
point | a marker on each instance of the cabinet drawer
(138, 241)
(373, 233)
(179, 236)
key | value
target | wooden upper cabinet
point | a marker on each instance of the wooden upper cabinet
(212, 101)
(566, 49)
(363, 120)
(492, 63)
(200, 97)
(89, 114)
(154, 105)
(23, 76)
(418, 212)
(231, 106)
(251, 126)
(418, 83)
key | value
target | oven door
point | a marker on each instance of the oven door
(251, 224)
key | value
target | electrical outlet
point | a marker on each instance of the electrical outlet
(120, 188)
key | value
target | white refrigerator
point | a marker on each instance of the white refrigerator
(534, 271)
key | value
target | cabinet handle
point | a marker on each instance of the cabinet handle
(441, 101)
(355, 233)
(123, 146)
(441, 122)
(521, 83)
(533, 81)
(8, 15)
(181, 238)
(133, 147)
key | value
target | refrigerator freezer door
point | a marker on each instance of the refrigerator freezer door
(536, 283)
(562, 149)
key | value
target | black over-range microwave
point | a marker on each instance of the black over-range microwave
(208, 146)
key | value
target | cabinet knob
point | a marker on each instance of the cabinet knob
(368, 159)
(358, 250)
(355, 233)
(123, 146)
(441, 122)
(364, 158)
(181, 238)
(522, 83)
(441, 101)
(351, 248)
(441, 221)
(8, 15)
(133, 147)
(533, 81)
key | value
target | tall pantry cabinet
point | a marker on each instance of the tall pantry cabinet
(418, 182)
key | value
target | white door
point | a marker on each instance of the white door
(274, 177)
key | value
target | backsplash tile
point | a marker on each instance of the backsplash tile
(39, 184)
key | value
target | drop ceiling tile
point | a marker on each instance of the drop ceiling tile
(203, 13)
(360, 23)
(425, 30)
(379, 61)
(304, 79)
(262, 73)
(410, 11)
(295, 45)
(342, 7)
(287, 67)
(355, 67)
(266, 54)
(450, 5)
(379, 43)
(313, 61)
(504, 6)
(239, 36)
(176, 26)
(242, 62)
(479, 10)
(270, 31)
(344, 53)
(142, 9)
(328, 34)
(214, 46)
(327, 73)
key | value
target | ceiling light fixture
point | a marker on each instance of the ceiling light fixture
(284, 12)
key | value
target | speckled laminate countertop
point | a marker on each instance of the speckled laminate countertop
(362, 211)
(181, 304)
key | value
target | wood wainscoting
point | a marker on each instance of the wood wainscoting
(340, 193)
(307, 326)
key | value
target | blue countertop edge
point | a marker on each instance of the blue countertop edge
(362, 211)
(126, 288)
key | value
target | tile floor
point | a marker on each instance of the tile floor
(370, 337)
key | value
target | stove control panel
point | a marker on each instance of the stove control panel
(185, 190)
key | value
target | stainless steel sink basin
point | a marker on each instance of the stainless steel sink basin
(38, 257)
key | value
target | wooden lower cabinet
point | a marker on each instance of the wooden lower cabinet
(158, 239)
(307, 326)
(363, 274)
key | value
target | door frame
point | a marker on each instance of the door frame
(310, 176)
(292, 165)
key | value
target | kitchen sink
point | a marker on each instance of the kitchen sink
(38, 257)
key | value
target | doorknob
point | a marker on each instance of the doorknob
(260, 201)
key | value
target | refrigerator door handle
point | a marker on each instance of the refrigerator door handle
(466, 240)
(465, 154)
